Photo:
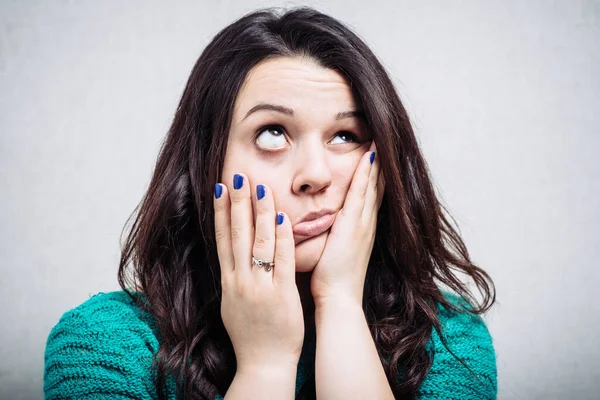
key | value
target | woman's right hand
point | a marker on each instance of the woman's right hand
(261, 310)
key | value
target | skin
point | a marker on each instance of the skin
(309, 164)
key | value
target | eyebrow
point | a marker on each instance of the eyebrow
(288, 111)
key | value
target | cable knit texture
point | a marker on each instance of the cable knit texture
(104, 347)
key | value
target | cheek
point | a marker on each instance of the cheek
(240, 159)
(342, 180)
(234, 159)
(344, 169)
(308, 253)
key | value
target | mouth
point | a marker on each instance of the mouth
(313, 227)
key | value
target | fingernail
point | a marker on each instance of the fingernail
(260, 191)
(279, 218)
(238, 181)
(372, 157)
(218, 190)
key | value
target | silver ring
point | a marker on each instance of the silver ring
(262, 263)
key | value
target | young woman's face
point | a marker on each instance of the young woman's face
(306, 151)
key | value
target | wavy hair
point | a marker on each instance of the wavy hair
(170, 252)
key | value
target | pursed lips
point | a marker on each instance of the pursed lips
(314, 227)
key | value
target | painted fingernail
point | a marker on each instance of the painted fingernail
(279, 218)
(372, 157)
(238, 181)
(260, 191)
(218, 190)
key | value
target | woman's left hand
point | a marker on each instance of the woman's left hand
(342, 267)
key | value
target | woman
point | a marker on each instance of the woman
(290, 243)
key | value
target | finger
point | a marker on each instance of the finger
(284, 273)
(242, 224)
(223, 229)
(264, 236)
(355, 199)
(371, 191)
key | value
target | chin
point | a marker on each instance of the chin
(308, 252)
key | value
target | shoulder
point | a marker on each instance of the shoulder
(107, 308)
(102, 348)
(467, 337)
(106, 316)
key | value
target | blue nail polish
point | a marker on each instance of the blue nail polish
(218, 190)
(238, 181)
(279, 218)
(372, 157)
(260, 191)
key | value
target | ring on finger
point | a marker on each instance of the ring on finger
(262, 263)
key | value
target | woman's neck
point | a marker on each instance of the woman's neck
(308, 304)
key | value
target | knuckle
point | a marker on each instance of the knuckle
(262, 207)
(282, 237)
(240, 288)
(220, 235)
(261, 242)
(238, 199)
(236, 233)
(249, 293)
(219, 206)
(280, 258)
(225, 284)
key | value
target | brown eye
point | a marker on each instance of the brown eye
(270, 137)
(346, 136)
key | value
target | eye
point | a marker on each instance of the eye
(347, 136)
(273, 139)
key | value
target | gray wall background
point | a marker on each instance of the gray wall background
(504, 96)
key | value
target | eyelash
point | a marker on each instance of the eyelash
(280, 129)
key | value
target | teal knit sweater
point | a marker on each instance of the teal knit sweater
(104, 347)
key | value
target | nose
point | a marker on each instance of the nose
(313, 173)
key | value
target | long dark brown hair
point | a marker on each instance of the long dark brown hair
(171, 247)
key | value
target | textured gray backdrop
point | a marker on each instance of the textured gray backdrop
(504, 96)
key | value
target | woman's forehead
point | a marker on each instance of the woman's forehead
(295, 83)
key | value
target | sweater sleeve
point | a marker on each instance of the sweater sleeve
(101, 349)
(468, 338)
